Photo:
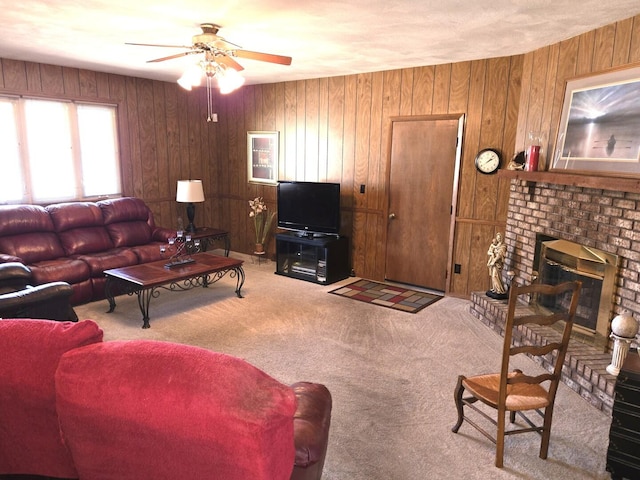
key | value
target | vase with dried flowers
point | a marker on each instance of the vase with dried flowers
(262, 221)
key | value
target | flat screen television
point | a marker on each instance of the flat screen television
(309, 207)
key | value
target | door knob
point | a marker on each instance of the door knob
(392, 216)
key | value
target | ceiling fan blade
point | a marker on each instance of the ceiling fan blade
(157, 45)
(229, 62)
(228, 42)
(262, 57)
(170, 57)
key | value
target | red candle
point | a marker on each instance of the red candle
(533, 154)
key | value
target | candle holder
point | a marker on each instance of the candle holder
(183, 246)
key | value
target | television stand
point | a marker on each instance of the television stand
(303, 234)
(322, 260)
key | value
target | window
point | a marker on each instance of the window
(53, 151)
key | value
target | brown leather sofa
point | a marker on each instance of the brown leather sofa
(76, 242)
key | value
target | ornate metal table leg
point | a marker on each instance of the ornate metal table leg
(227, 245)
(239, 280)
(144, 299)
(204, 244)
(109, 294)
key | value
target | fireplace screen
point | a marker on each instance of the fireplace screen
(563, 261)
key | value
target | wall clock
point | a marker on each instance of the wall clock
(488, 161)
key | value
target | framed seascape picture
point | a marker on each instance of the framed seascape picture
(599, 130)
(262, 155)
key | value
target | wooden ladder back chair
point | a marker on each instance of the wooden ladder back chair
(515, 391)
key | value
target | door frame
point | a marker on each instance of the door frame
(456, 180)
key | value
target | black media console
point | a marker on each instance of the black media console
(323, 259)
(623, 455)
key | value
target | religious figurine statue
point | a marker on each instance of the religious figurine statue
(497, 253)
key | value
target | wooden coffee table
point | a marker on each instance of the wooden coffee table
(144, 280)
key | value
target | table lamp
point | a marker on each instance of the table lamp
(190, 191)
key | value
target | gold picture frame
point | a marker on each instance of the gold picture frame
(262, 157)
(599, 124)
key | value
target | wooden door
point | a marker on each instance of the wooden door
(424, 165)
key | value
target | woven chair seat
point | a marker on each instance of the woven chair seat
(521, 396)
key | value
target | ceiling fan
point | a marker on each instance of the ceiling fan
(218, 62)
(217, 49)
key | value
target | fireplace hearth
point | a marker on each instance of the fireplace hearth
(602, 218)
(584, 368)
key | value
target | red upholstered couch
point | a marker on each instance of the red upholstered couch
(76, 242)
(72, 406)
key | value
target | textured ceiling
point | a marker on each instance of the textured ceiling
(325, 38)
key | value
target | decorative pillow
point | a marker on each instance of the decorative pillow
(145, 409)
(30, 441)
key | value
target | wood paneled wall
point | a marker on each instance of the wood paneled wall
(546, 70)
(331, 129)
(336, 129)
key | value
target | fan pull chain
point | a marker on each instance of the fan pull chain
(209, 98)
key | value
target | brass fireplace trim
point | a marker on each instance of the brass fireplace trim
(588, 262)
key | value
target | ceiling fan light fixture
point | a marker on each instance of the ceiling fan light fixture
(184, 82)
(229, 80)
(192, 77)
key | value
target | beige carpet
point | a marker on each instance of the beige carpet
(391, 375)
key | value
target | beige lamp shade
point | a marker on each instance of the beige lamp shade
(190, 191)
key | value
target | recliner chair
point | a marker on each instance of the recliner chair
(19, 299)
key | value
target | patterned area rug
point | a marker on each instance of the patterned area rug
(391, 296)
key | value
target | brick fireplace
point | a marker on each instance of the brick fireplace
(602, 219)
(607, 220)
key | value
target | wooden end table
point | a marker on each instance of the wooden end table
(144, 280)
